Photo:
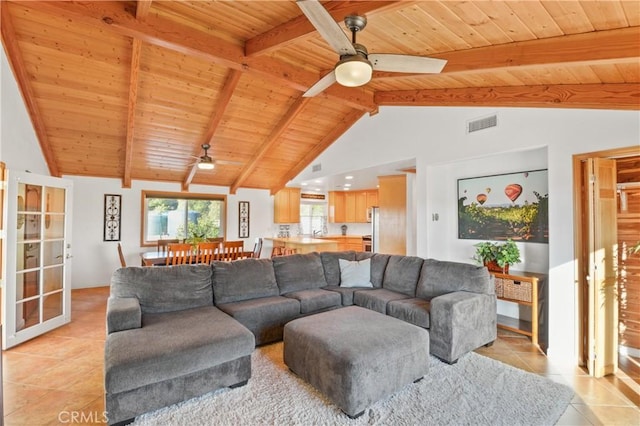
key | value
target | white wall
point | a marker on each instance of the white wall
(19, 147)
(436, 137)
(94, 260)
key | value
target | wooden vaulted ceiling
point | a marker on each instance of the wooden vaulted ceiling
(131, 90)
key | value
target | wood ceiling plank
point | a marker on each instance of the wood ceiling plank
(287, 118)
(16, 62)
(174, 36)
(339, 129)
(299, 27)
(131, 107)
(224, 98)
(597, 96)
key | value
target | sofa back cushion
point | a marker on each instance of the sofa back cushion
(378, 265)
(440, 277)
(330, 263)
(164, 288)
(242, 280)
(299, 272)
(402, 273)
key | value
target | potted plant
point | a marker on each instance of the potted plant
(497, 256)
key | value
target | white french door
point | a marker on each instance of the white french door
(37, 290)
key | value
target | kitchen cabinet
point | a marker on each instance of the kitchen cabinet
(336, 207)
(286, 206)
(351, 206)
(346, 242)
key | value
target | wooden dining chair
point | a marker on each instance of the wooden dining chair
(257, 248)
(179, 254)
(161, 245)
(231, 250)
(207, 252)
(282, 251)
(123, 262)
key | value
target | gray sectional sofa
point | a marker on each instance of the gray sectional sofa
(177, 332)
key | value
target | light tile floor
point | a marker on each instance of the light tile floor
(57, 378)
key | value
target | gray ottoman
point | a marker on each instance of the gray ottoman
(356, 356)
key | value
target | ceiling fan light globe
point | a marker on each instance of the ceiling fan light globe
(353, 71)
(206, 165)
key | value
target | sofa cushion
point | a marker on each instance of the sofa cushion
(243, 279)
(299, 272)
(378, 265)
(346, 293)
(265, 317)
(315, 300)
(331, 266)
(171, 345)
(376, 299)
(402, 274)
(440, 277)
(414, 311)
(164, 288)
(356, 273)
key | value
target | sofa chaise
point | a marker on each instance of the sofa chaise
(177, 332)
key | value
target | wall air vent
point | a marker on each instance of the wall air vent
(316, 167)
(482, 123)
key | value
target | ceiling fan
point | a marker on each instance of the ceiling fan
(356, 65)
(205, 162)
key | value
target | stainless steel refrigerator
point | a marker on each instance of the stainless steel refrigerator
(375, 229)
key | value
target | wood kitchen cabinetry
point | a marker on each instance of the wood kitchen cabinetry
(286, 206)
(351, 206)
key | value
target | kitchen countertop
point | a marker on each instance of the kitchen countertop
(301, 240)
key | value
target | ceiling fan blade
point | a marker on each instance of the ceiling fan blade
(406, 63)
(229, 162)
(321, 85)
(327, 27)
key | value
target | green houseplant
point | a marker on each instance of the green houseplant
(497, 256)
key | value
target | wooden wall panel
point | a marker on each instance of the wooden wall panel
(629, 263)
(392, 200)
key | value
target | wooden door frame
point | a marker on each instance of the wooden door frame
(579, 237)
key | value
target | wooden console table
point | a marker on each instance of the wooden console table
(526, 289)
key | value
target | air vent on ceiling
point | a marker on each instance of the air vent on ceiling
(316, 167)
(482, 123)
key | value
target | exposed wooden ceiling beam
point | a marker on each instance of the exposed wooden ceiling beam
(171, 35)
(142, 10)
(624, 96)
(299, 27)
(273, 138)
(594, 48)
(16, 61)
(131, 110)
(342, 126)
(229, 86)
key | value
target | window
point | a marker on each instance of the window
(191, 217)
(313, 217)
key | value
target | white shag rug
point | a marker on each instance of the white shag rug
(475, 391)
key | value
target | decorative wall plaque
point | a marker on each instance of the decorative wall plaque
(112, 215)
(243, 219)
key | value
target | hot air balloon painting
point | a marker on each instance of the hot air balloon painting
(513, 191)
(516, 208)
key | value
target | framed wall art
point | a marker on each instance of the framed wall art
(112, 216)
(499, 207)
(243, 219)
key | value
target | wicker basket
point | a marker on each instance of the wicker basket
(499, 287)
(517, 290)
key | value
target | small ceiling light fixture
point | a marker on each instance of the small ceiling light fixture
(206, 163)
(348, 177)
(354, 71)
